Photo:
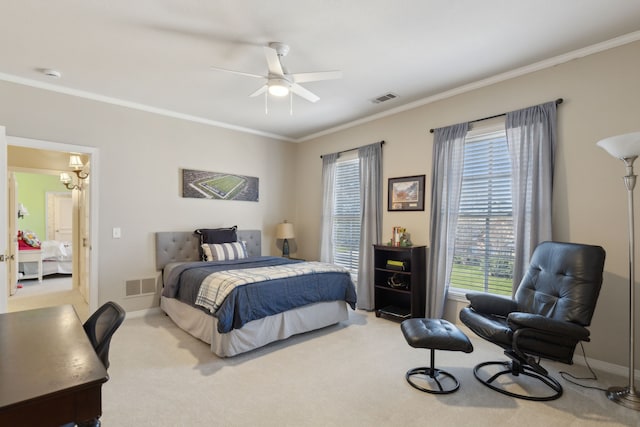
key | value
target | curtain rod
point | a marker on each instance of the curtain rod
(558, 102)
(352, 149)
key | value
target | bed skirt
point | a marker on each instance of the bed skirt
(256, 333)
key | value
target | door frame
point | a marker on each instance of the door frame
(12, 211)
(5, 239)
(93, 154)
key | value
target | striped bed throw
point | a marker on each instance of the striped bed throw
(216, 286)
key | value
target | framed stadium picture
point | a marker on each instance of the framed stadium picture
(219, 185)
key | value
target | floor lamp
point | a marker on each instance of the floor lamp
(627, 148)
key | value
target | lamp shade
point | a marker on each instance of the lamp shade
(622, 146)
(285, 231)
(75, 162)
(22, 210)
(65, 178)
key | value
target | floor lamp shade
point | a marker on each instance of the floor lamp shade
(622, 146)
(284, 231)
(627, 148)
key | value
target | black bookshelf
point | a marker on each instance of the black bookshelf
(400, 285)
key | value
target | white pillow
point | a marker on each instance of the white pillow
(224, 251)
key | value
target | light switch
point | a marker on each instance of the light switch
(117, 233)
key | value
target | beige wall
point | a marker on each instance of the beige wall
(140, 157)
(601, 96)
(141, 154)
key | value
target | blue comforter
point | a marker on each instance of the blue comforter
(257, 300)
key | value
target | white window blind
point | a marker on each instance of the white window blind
(483, 256)
(346, 216)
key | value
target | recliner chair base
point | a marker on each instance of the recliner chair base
(514, 368)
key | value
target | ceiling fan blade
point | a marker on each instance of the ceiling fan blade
(304, 93)
(238, 72)
(273, 61)
(315, 76)
(260, 91)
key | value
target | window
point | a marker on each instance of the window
(346, 216)
(484, 245)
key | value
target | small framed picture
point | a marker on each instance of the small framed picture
(406, 193)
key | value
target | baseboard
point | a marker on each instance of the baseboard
(607, 367)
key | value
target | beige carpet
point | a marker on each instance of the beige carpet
(54, 290)
(344, 375)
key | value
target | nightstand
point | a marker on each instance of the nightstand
(33, 255)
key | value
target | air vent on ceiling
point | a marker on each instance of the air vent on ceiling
(386, 97)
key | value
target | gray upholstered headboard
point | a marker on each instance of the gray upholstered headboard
(179, 246)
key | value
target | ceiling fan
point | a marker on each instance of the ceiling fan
(278, 81)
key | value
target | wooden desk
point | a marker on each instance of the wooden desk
(49, 372)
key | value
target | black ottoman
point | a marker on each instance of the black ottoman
(434, 334)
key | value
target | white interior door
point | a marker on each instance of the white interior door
(84, 228)
(5, 241)
(12, 263)
(62, 217)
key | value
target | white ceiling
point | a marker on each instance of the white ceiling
(158, 54)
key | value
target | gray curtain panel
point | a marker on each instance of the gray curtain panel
(531, 137)
(328, 186)
(446, 184)
(370, 158)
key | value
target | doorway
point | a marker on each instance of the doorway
(45, 232)
(79, 229)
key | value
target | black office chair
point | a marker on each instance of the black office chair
(101, 326)
(553, 305)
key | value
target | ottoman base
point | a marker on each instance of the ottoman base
(434, 334)
(432, 375)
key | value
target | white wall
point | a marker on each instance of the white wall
(601, 96)
(141, 155)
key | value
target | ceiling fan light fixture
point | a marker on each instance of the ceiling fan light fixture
(278, 87)
(279, 82)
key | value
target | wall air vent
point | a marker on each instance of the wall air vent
(386, 97)
(136, 287)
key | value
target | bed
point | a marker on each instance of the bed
(52, 257)
(238, 327)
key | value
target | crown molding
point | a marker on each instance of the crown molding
(537, 66)
(134, 105)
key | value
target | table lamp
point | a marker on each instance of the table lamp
(627, 148)
(284, 231)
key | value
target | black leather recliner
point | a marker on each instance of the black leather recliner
(547, 319)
